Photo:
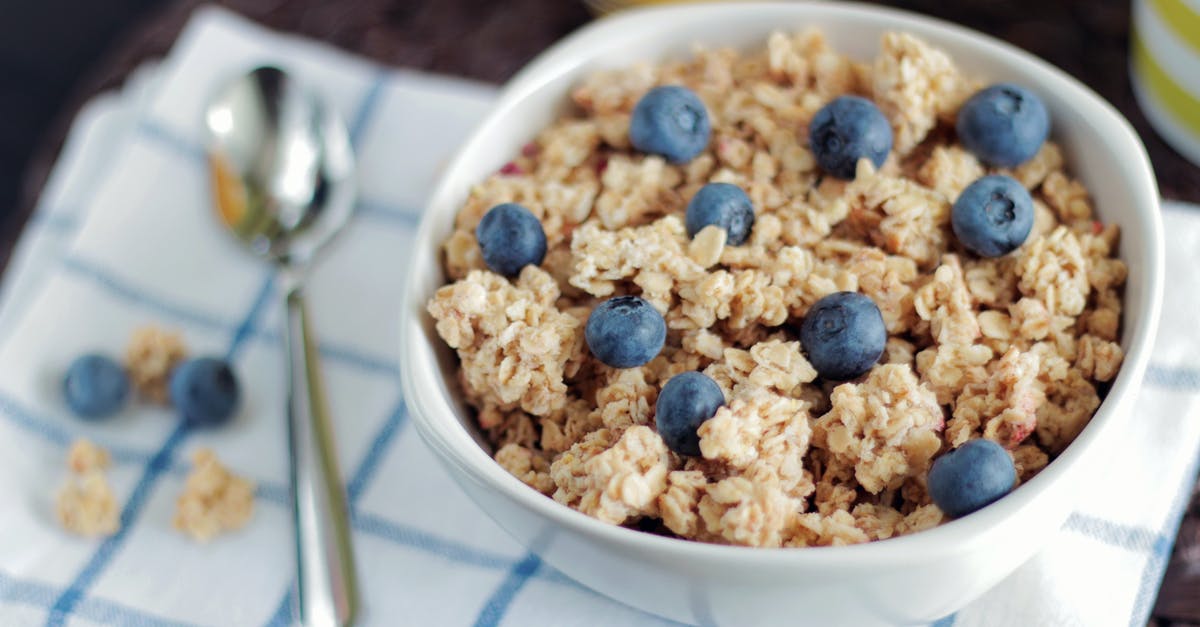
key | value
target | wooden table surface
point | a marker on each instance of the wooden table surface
(490, 40)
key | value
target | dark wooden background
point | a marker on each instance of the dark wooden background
(56, 54)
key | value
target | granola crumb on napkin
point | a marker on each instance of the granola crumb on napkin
(85, 504)
(150, 356)
(214, 500)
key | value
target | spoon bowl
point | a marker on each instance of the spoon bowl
(282, 166)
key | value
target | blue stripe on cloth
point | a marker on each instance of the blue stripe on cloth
(654, 617)
(700, 606)
(553, 575)
(160, 463)
(108, 612)
(1128, 537)
(40, 595)
(44, 427)
(366, 107)
(282, 616)
(947, 621)
(32, 593)
(452, 550)
(1148, 584)
(249, 323)
(273, 493)
(550, 574)
(54, 221)
(130, 293)
(371, 363)
(341, 354)
(349, 356)
(1153, 571)
(387, 213)
(379, 445)
(47, 429)
(1173, 378)
(66, 602)
(154, 130)
(397, 533)
(497, 605)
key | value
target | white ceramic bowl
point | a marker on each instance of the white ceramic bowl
(914, 578)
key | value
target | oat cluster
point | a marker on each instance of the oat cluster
(150, 356)
(86, 505)
(214, 500)
(1016, 349)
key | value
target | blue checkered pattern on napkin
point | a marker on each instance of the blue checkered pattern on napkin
(123, 236)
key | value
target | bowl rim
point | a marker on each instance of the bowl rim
(441, 430)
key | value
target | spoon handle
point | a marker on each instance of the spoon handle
(327, 590)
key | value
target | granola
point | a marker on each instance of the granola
(86, 505)
(1017, 349)
(151, 354)
(214, 500)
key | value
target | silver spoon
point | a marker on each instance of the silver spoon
(283, 183)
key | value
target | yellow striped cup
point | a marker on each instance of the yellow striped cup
(1165, 67)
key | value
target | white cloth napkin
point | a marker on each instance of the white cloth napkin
(123, 237)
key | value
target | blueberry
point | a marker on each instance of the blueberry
(843, 335)
(670, 121)
(971, 476)
(95, 386)
(684, 403)
(992, 216)
(1004, 125)
(846, 130)
(625, 331)
(510, 238)
(205, 391)
(724, 205)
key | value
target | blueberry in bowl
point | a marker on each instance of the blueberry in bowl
(625, 331)
(848, 129)
(843, 335)
(970, 477)
(723, 205)
(685, 403)
(510, 238)
(992, 216)
(670, 121)
(1004, 124)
